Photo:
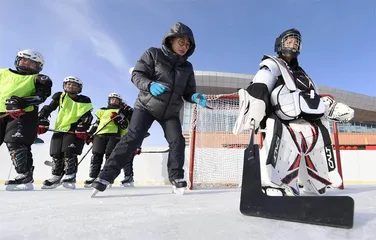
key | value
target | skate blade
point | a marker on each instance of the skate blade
(178, 191)
(94, 193)
(50, 187)
(87, 186)
(127, 185)
(69, 185)
(20, 187)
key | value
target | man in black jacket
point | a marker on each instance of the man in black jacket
(164, 78)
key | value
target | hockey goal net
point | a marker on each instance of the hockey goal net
(215, 153)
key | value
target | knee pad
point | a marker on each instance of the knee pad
(21, 156)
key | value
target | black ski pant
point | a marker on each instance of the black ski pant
(128, 169)
(140, 123)
(64, 149)
(19, 134)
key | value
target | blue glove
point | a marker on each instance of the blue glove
(200, 99)
(157, 89)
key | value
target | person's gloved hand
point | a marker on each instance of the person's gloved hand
(157, 89)
(113, 115)
(200, 99)
(138, 151)
(14, 106)
(81, 134)
(43, 126)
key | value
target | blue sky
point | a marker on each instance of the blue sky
(99, 40)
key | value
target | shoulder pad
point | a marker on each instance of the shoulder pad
(271, 65)
(83, 99)
(56, 96)
(42, 78)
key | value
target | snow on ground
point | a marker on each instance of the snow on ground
(155, 213)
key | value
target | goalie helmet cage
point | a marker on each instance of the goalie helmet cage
(215, 153)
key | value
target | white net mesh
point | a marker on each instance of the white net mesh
(218, 154)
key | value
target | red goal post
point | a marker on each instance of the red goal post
(215, 153)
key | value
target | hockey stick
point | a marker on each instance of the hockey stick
(59, 131)
(93, 136)
(49, 163)
(156, 151)
(332, 211)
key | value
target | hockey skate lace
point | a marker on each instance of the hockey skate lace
(54, 178)
(20, 176)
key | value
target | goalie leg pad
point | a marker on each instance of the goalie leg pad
(313, 172)
(280, 158)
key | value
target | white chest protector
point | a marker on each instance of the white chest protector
(287, 100)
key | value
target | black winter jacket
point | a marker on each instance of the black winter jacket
(164, 66)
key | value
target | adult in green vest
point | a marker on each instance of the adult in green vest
(22, 90)
(74, 117)
(109, 132)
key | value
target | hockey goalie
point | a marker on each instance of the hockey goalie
(284, 101)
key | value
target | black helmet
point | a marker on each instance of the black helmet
(288, 51)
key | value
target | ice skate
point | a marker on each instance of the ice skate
(87, 183)
(179, 186)
(52, 182)
(99, 185)
(69, 181)
(127, 181)
(22, 182)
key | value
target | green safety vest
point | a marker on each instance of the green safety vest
(69, 112)
(12, 84)
(104, 115)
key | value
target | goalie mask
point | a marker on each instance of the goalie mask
(289, 43)
(114, 99)
(29, 62)
(72, 85)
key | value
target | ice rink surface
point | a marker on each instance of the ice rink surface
(155, 213)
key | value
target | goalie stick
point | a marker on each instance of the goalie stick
(332, 211)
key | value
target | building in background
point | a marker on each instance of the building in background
(360, 133)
